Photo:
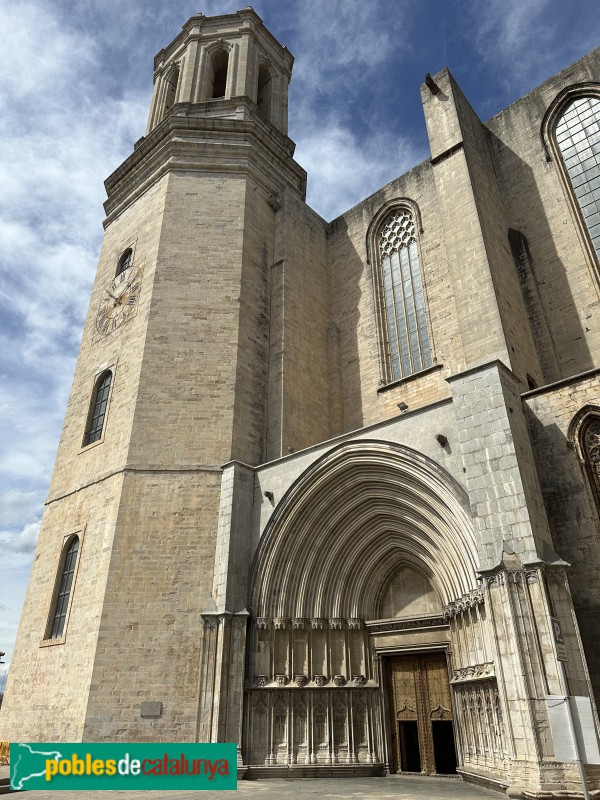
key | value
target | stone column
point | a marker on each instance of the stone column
(525, 577)
(220, 714)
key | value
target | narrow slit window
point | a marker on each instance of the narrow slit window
(408, 347)
(65, 585)
(578, 140)
(98, 409)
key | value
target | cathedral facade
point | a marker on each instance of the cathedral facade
(327, 489)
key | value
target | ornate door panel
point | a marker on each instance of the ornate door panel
(422, 735)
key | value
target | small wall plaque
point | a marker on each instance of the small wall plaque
(151, 708)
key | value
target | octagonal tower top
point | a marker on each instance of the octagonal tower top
(223, 66)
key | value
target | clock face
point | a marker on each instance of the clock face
(119, 301)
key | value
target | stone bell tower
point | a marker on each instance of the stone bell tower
(171, 383)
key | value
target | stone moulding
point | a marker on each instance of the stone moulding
(406, 624)
(279, 682)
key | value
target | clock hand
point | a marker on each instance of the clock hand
(116, 299)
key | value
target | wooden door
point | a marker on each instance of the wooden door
(421, 711)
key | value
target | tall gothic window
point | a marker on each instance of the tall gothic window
(589, 443)
(61, 603)
(578, 139)
(404, 300)
(98, 409)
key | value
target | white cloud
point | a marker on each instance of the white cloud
(62, 134)
(524, 40)
(22, 542)
(15, 504)
(343, 169)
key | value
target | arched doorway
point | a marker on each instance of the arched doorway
(350, 577)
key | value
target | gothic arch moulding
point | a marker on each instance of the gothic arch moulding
(584, 435)
(363, 510)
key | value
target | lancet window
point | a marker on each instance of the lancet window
(125, 261)
(97, 413)
(408, 348)
(64, 586)
(577, 135)
(589, 443)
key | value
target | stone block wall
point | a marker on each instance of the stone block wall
(536, 204)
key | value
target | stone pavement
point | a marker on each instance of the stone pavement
(394, 787)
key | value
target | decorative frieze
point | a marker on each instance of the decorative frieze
(303, 623)
(334, 727)
(476, 672)
(281, 681)
(483, 735)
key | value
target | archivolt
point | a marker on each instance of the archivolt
(360, 512)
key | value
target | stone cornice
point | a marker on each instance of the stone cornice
(190, 142)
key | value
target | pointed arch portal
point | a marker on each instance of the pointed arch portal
(326, 572)
(362, 511)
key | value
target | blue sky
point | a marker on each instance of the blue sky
(74, 96)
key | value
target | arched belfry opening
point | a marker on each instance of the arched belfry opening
(264, 95)
(217, 79)
(171, 83)
(356, 567)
